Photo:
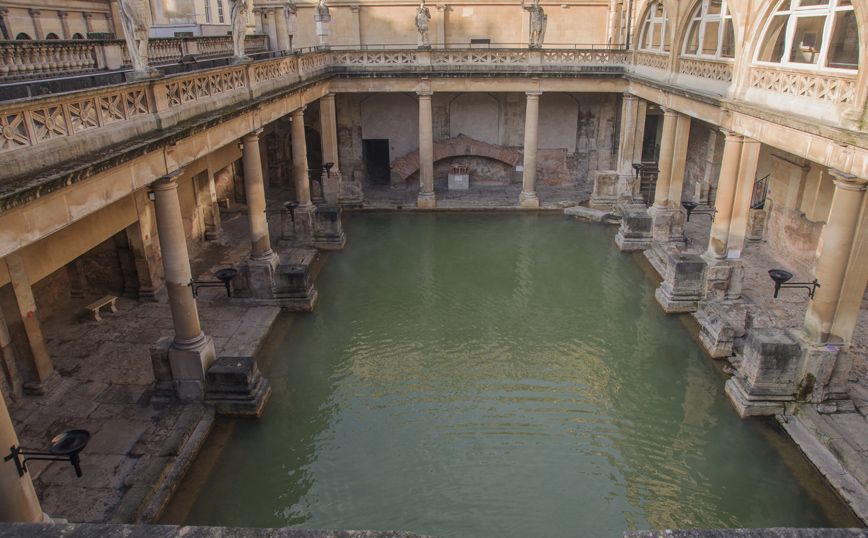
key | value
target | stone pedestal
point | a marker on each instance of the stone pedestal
(188, 363)
(767, 373)
(605, 195)
(825, 374)
(724, 279)
(716, 334)
(303, 225)
(259, 274)
(667, 225)
(635, 230)
(681, 289)
(236, 387)
(328, 234)
(756, 224)
(350, 194)
(294, 288)
(330, 182)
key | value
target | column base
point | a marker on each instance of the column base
(328, 234)
(716, 335)
(745, 406)
(236, 387)
(188, 363)
(767, 373)
(681, 289)
(667, 225)
(303, 225)
(528, 199)
(38, 388)
(606, 186)
(426, 200)
(260, 276)
(330, 182)
(724, 279)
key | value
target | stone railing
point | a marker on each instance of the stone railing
(840, 89)
(39, 59)
(480, 57)
(167, 50)
(719, 70)
(652, 59)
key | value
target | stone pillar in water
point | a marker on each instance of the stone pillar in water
(191, 352)
(528, 196)
(627, 144)
(260, 268)
(426, 197)
(303, 218)
(328, 121)
(18, 501)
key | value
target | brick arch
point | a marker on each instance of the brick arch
(455, 147)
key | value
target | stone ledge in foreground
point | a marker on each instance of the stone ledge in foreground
(86, 530)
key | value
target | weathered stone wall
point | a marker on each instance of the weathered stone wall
(698, 146)
(52, 293)
(793, 238)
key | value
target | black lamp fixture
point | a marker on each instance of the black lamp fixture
(289, 207)
(64, 447)
(328, 168)
(691, 207)
(782, 277)
(223, 276)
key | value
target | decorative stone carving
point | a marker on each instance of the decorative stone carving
(289, 13)
(538, 22)
(136, 22)
(423, 15)
(238, 11)
(322, 18)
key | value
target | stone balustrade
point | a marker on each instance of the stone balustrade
(835, 89)
(717, 70)
(40, 59)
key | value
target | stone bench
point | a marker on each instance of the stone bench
(96, 305)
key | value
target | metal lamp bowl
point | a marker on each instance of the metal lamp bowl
(689, 206)
(290, 205)
(69, 443)
(780, 276)
(328, 166)
(225, 275)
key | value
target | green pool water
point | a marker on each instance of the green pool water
(497, 375)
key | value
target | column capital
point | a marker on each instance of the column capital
(330, 96)
(426, 93)
(732, 135)
(34, 12)
(86, 15)
(630, 96)
(63, 14)
(848, 182)
(167, 182)
(268, 11)
(671, 112)
(108, 16)
(355, 8)
(533, 94)
(4, 11)
(257, 10)
(252, 136)
(298, 112)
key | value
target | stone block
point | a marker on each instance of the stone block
(328, 234)
(635, 230)
(160, 359)
(231, 374)
(294, 288)
(682, 284)
(587, 213)
(605, 194)
(767, 374)
(458, 181)
(350, 194)
(236, 387)
(825, 374)
(260, 276)
(716, 334)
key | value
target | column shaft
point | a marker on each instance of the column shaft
(726, 185)
(176, 262)
(627, 140)
(639, 136)
(254, 187)
(679, 161)
(18, 501)
(667, 147)
(299, 159)
(741, 202)
(280, 29)
(30, 318)
(528, 197)
(835, 255)
(268, 20)
(426, 152)
(328, 122)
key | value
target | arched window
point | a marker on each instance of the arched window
(51, 35)
(710, 33)
(814, 34)
(655, 38)
(77, 36)
(22, 37)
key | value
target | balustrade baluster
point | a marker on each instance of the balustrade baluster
(19, 61)
(27, 57)
(53, 62)
(64, 59)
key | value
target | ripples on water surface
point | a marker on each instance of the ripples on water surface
(495, 376)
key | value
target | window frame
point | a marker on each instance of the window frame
(702, 18)
(793, 14)
(648, 23)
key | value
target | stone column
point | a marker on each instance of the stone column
(280, 29)
(528, 196)
(191, 352)
(110, 18)
(639, 136)
(355, 16)
(88, 21)
(741, 202)
(627, 140)
(834, 256)
(37, 23)
(64, 24)
(426, 152)
(303, 218)
(328, 124)
(258, 20)
(271, 28)
(667, 147)
(263, 262)
(441, 24)
(44, 369)
(18, 501)
(725, 196)
(140, 237)
(679, 162)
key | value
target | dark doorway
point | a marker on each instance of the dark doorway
(377, 160)
(650, 144)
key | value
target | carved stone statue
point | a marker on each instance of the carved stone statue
(422, 18)
(136, 20)
(322, 18)
(289, 13)
(538, 21)
(238, 11)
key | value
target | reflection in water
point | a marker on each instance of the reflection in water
(495, 375)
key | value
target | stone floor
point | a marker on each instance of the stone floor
(106, 379)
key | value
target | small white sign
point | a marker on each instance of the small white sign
(519, 168)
